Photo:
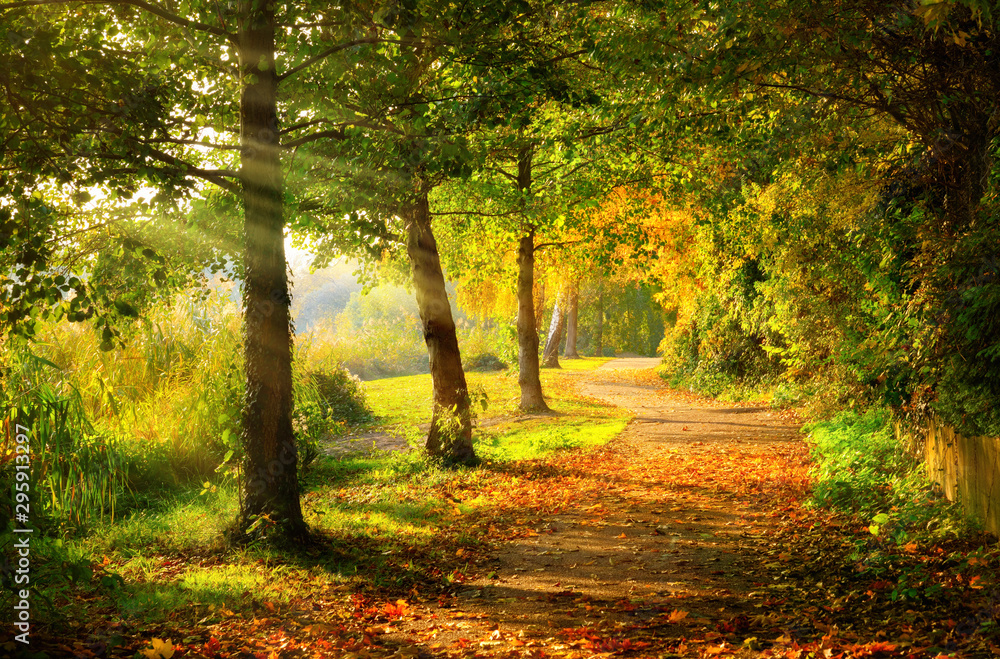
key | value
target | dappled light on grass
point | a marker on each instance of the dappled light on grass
(190, 522)
(535, 438)
(388, 519)
(404, 403)
(686, 536)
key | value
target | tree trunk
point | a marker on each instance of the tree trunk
(270, 487)
(450, 435)
(540, 302)
(571, 322)
(599, 329)
(527, 334)
(967, 173)
(528, 324)
(550, 358)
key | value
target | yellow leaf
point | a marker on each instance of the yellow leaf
(160, 649)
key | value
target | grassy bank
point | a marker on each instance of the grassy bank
(383, 522)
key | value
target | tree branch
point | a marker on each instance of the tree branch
(210, 145)
(217, 176)
(476, 213)
(312, 137)
(326, 53)
(557, 244)
(500, 171)
(139, 4)
(556, 168)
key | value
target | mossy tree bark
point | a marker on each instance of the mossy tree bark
(450, 435)
(270, 480)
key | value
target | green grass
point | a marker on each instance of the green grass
(407, 400)
(862, 468)
(387, 521)
(197, 592)
(538, 437)
(180, 521)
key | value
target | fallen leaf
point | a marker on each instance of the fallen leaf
(159, 650)
(677, 615)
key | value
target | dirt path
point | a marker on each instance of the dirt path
(660, 539)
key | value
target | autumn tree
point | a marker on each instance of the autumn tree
(761, 97)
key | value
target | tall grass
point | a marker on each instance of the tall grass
(112, 431)
(110, 428)
(76, 473)
(373, 350)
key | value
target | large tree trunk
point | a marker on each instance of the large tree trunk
(571, 322)
(450, 435)
(527, 334)
(270, 484)
(550, 358)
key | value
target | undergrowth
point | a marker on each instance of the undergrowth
(115, 431)
(864, 470)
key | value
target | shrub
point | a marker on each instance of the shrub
(863, 469)
(484, 362)
(340, 394)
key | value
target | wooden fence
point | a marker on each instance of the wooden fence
(968, 470)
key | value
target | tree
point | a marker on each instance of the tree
(528, 367)
(270, 477)
(531, 190)
(599, 323)
(906, 93)
(413, 139)
(405, 146)
(184, 146)
(62, 87)
(458, 87)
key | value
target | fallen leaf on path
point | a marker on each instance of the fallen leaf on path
(160, 649)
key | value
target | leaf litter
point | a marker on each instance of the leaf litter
(687, 536)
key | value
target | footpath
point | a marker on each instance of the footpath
(689, 535)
